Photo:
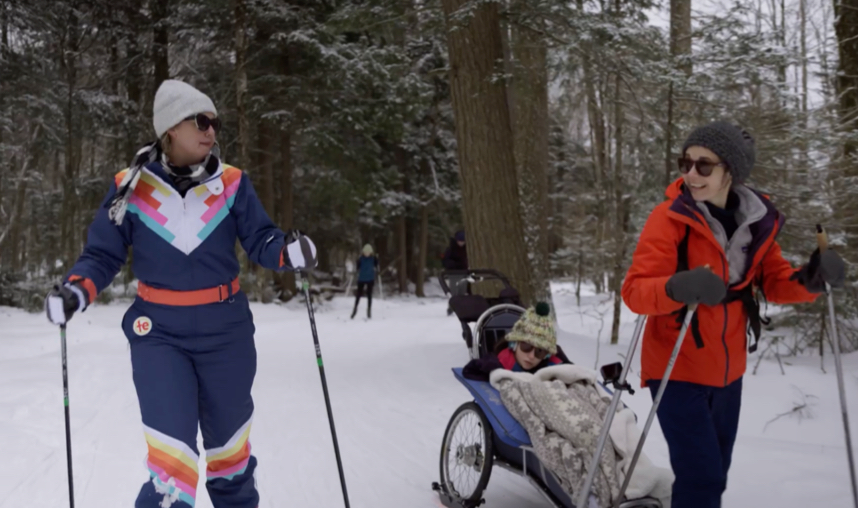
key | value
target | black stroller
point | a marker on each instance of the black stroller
(490, 317)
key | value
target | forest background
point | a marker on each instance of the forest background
(546, 129)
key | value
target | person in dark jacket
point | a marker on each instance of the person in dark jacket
(530, 346)
(190, 329)
(725, 232)
(367, 268)
(456, 255)
(456, 258)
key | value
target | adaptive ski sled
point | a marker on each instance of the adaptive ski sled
(482, 433)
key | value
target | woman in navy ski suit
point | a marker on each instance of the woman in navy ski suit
(190, 327)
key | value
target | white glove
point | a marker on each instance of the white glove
(302, 253)
(62, 302)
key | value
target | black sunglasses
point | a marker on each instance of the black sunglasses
(527, 348)
(704, 167)
(203, 122)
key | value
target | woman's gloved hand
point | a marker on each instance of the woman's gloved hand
(62, 302)
(300, 251)
(826, 267)
(696, 286)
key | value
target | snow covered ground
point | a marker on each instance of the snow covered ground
(392, 393)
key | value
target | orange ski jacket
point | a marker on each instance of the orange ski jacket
(722, 328)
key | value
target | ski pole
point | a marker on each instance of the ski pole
(682, 332)
(66, 404)
(619, 386)
(822, 242)
(305, 286)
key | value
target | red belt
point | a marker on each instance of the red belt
(187, 298)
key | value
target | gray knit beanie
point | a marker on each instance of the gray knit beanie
(175, 101)
(732, 144)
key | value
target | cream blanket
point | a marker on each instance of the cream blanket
(562, 408)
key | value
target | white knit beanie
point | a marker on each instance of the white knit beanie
(175, 101)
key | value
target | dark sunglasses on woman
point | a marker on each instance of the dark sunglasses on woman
(203, 122)
(704, 167)
(537, 351)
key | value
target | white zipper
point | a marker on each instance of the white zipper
(183, 225)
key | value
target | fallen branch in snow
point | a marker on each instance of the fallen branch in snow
(801, 408)
(796, 409)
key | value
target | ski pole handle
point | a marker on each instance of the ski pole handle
(821, 238)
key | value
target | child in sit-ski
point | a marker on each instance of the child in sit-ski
(529, 347)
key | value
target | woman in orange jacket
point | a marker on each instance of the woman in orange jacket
(710, 244)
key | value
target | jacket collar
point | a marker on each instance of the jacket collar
(764, 231)
(214, 183)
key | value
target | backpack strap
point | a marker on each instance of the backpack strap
(681, 266)
(746, 295)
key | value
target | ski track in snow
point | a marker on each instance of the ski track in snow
(392, 394)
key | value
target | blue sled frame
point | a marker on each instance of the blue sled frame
(511, 449)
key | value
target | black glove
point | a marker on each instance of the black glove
(62, 302)
(696, 286)
(826, 267)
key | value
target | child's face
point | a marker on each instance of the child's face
(527, 360)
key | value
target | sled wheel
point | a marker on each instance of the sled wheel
(467, 453)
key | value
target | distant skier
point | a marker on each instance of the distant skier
(367, 268)
(190, 328)
(456, 258)
(710, 244)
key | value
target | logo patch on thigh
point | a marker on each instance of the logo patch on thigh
(142, 325)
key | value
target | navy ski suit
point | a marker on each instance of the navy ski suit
(193, 357)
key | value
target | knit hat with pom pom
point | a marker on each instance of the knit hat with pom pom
(536, 328)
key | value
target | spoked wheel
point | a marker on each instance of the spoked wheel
(467, 454)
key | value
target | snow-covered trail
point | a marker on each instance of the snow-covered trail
(392, 394)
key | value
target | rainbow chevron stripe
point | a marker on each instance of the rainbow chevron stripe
(146, 205)
(218, 206)
(172, 465)
(231, 459)
(185, 222)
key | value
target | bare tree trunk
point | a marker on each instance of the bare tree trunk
(620, 221)
(68, 60)
(846, 28)
(284, 182)
(4, 29)
(132, 79)
(530, 131)
(680, 51)
(803, 37)
(266, 167)
(492, 211)
(10, 228)
(160, 17)
(401, 157)
(401, 246)
(595, 116)
(240, 47)
(4, 55)
(680, 34)
(599, 154)
(422, 251)
(266, 195)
